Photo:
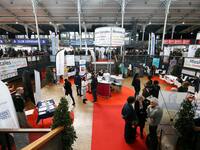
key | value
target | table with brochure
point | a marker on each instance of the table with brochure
(45, 109)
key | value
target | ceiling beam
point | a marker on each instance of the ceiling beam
(46, 12)
(160, 30)
(190, 29)
(9, 29)
(33, 29)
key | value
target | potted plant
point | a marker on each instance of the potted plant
(197, 53)
(49, 76)
(184, 125)
(62, 118)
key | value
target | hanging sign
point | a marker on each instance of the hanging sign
(109, 36)
(29, 41)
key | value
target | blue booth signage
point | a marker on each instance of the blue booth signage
(29, 41)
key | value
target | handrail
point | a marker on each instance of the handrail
(24, 130)
(43, 140)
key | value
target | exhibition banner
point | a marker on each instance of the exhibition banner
(60, 63)
(193, 63)
(153, 42)
(37, 87)
(8, 116)
(53, 46)
(109, 36)
(70, 60)
(177, 42)
(192, 49)
(8, 67)
(82, 65)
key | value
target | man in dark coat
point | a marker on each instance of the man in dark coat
(68, 90)
(77, 81)
(130, 117)
(94, 85)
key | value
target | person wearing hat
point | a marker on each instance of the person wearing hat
(155, 114)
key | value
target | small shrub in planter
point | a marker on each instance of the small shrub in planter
(184, 125)
(62, 118)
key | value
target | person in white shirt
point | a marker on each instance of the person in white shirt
(84, 89)
(89, 80)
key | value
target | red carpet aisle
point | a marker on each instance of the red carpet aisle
(108, 126)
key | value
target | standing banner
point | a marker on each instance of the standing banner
(53, 46)
(149, 44)
(8, 116)
(82, 64)
(37, 87)
(60, 63)
(153, 42)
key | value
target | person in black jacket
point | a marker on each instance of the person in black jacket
(94, 84)
(140, 108)
(155, 89)
(184, 87)
(129, 115)
(19, 104)
(68, 90)
(136, 84)
(77, 81)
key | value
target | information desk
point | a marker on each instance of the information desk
(103, 87)
(45, 109)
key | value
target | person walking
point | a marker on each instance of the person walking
(94, 84)
(84, 89)
(141, 111)
(77, 81)
(68, 90)
(155, 114)
(129, 115)
(136, 84)
(155, 89)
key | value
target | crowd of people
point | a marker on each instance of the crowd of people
(141, 107)
(11, 52)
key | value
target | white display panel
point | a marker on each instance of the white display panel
(192, 49)
(188, 72)
(109, 36)
(198, 36)
(70, 60)
(8, 67)
(193, 63)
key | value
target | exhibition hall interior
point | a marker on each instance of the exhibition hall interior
(99, 74)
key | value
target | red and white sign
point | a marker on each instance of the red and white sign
(178, 42)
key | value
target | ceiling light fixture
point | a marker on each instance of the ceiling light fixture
(50, 22)
(149, 22)
(183, 22)
(16, 22)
